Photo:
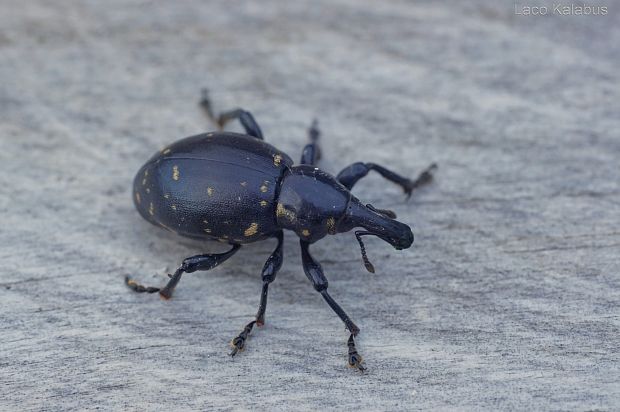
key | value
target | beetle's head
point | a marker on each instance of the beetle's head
(314, 204)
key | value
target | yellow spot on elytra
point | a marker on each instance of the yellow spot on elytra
(138, 199)
(148, 190)
(331, 225)
(277, 159)
(174, 207)
(263, 203)
(282, 212)
(151, 209)
(143, 181)
(263, 188)
(210, 191)
(165, 151)
(251, 230)
(175, 172)
(305, 232)
(146, 172)
(244, 184)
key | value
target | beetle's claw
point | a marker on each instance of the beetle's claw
(355, 359)
(238, 345)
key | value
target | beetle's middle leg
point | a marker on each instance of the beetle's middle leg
(271, 268)
(245, 117)
(189, 265)
(351, 174)
(314, 272)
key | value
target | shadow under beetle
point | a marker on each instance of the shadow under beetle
(237, 189)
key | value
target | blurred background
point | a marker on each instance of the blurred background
(509, 298)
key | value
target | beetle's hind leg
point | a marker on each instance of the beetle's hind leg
(247, 120)
(311, 153)
(351, 174)
(271, 268)
(189, 265)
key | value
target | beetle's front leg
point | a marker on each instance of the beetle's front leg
(351, 174)
(189, 265)
(314, 272)
(270, 270)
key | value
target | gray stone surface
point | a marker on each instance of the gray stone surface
(509, 298)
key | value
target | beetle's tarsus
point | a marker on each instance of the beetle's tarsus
(137, 287)
(311, 152)
(355, 359)
(313, 131)
(189, 265)
(423, 178)
(238, 342)
(205, 103)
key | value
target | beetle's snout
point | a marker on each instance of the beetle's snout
(405, 241)
(395, 233)
(401, 241)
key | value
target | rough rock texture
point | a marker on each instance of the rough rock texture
(509, 298)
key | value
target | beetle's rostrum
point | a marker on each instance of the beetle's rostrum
(238, 189)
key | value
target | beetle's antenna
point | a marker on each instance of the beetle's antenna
(358, 236)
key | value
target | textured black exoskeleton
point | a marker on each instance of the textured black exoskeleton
(237, 189)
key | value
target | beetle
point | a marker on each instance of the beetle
(238, 189)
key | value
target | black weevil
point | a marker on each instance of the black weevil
(237, 189)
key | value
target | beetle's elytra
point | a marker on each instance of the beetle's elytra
(238, 189)
(218, 186)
